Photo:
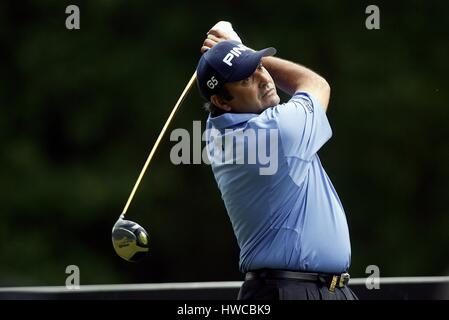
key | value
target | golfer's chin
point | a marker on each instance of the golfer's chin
(271, 100)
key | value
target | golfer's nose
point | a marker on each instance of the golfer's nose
(262, 77)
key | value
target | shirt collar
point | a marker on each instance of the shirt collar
(228, 120)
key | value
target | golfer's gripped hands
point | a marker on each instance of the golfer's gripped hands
(214, 36)
(219, 32)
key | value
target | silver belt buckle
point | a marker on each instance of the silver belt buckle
(344, 277)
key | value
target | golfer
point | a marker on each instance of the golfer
(288, 221)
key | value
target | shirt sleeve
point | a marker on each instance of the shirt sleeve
(303, 126)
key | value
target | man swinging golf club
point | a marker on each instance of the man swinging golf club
(290, 224)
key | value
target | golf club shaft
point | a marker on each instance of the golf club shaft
(153, 150)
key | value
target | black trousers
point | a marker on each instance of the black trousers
(290, 289)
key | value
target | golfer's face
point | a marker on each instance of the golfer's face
(253, 94)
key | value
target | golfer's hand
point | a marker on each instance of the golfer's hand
(219, 32)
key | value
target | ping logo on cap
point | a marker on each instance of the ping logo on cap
(235, 52)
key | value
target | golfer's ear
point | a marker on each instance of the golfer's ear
(219, 102)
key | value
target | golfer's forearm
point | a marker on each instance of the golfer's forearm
(291, 77)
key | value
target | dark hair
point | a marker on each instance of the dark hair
(213, 109)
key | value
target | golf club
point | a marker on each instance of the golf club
(130, 240)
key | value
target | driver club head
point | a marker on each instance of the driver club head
(130, 240)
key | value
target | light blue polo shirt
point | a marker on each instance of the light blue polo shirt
(290, 216)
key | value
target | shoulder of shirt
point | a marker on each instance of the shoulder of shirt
(304, 98)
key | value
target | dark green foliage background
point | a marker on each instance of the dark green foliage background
(80, 111)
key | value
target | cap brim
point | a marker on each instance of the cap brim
(251, 63)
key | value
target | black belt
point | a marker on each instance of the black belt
(330, 280)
